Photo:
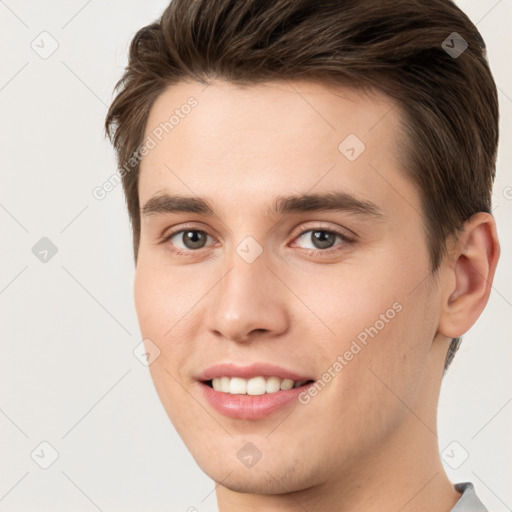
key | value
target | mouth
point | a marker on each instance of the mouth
(251, 391)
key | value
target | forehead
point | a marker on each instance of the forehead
(237, 144)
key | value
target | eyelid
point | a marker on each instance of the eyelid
(349, 235)
(174, 230)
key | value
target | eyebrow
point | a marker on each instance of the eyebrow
(330, 201)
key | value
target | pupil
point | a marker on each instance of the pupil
(323, 239)
(194, 239)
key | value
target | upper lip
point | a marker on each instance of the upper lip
(248, 371)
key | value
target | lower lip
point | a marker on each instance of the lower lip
(250, 407)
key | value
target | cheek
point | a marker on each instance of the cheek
(377, 376)
(392, 352)
(159, 309)
(162, 298)
(160, 306)
(169, 302)
(380, 330)
(346, 304)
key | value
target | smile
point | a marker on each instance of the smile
(250, 391)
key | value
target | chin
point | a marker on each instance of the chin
(271, 475)
(249, 481)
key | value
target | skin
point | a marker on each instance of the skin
(368, 440)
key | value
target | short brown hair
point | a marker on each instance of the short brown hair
(448, 100)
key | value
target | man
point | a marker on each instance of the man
(309, 187)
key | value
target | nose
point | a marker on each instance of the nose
(249, 302)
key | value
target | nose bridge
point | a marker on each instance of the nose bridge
(248, 297)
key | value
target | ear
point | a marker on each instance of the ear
(468, 274)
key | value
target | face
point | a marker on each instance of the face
(253, 288)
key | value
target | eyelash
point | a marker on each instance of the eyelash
(346, 240)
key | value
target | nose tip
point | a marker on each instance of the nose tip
(246, 304)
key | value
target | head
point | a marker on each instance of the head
(356, 105)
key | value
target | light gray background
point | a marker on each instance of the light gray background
(68, 326)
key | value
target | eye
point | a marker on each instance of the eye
(191, 239)
(321, 240)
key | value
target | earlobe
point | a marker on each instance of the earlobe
(474, 257)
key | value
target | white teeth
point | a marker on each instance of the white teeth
(237, 386)
(254, 386)
(273, 384)
(287, 384)
(224, 384)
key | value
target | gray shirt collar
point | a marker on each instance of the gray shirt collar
(469, 501)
